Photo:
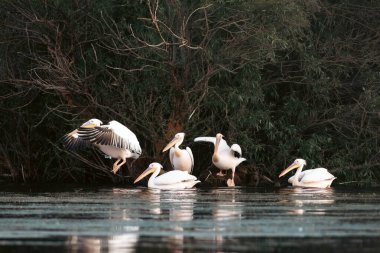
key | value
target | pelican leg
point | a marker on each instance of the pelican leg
(115, 165)
(231, 181)
(116, 169)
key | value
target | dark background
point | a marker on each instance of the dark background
(285, 79)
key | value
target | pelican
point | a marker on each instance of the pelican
(113, 139)
(224, 157)
(181, 159)
(174, 179)
(315, 178)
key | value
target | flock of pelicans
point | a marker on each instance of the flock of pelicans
(116, 141)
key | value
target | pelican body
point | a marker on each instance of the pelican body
(314, 178)
(181, 159)
(224, 157)
(174, 179)
(113, 139)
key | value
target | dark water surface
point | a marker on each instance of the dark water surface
(197, 220)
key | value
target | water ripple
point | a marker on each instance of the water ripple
(216, 219)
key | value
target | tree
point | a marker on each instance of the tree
(284, 79)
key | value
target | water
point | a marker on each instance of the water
(196, 220)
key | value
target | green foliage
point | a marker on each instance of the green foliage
(285, 79)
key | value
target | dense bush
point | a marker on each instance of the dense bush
(284, 79)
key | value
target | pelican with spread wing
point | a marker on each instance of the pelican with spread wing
(181, 159)
(224, 157)
(174, 179)
(113, 139)
(314, 178)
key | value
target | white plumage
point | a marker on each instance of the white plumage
(314, 178)
(236, 148)
(224, 156)
(174, 179)
(113, 139)
(223, 146)
(181, 159)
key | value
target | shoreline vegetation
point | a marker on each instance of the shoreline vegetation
(283, 79)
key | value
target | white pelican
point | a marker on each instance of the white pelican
(114, 140)
(181, 159)
(224, 157)
(174, 179)
(316, 178)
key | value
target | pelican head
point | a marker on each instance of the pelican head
(152, 168)
(219, 136)
(92, 123)
(296, 164)
(178, 138)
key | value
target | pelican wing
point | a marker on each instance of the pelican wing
(113, 134)
(192, 158)
(303, 173)
(223, 144)
(171, 155)
(72, 141)
(236, 148)
(315, 175)
(290, 180)
(173, 177)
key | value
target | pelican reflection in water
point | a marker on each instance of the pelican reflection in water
(228, 210)
(181, 215)
(171, 211)
(300, 199)
(124, 232)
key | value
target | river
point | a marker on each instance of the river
(72, 219)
